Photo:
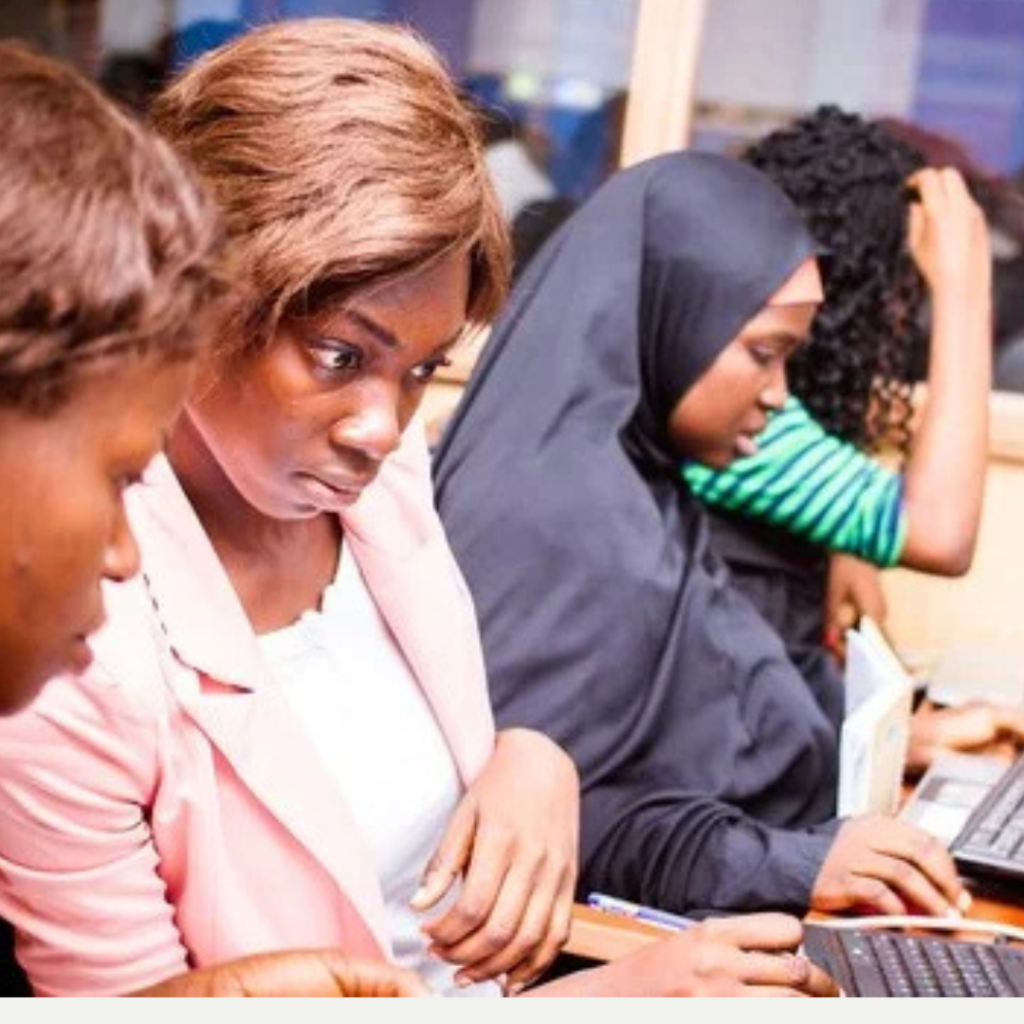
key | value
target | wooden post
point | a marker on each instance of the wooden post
(659, 111)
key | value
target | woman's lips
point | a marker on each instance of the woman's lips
(330, 495)
(746, 445)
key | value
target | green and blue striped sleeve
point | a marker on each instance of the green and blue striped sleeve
(818, 487)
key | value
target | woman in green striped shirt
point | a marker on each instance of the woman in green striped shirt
(810, 485)
(813, 484)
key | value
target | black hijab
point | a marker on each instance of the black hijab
(607, 622)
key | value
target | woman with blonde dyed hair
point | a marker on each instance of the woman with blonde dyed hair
(285, 720)
(342, 158)
(285, 740)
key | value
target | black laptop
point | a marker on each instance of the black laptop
(990, 846)
(872, 962)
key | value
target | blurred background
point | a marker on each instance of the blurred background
(570, 89)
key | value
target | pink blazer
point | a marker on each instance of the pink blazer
(165, 810)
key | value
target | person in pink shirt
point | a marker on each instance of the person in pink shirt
(107, 277)
(281, 738)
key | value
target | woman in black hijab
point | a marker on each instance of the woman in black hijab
(708, 765)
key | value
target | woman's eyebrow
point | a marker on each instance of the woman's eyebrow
(387, 338)
(382, 334)
(779, 337)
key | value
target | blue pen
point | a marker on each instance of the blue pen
(638, 912)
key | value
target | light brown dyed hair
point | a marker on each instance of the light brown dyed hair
(342, 157)
(107, 243)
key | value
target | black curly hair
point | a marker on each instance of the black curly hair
(849, 178)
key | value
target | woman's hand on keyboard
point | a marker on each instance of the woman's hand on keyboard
(883, 865)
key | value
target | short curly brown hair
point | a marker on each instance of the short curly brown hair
(108, 245)
(342, 157)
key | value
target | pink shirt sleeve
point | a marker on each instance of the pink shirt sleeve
(79, 768)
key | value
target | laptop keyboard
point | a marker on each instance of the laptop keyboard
(875, 963)
(992, 841)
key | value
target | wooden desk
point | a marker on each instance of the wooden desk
(984, 909)
(598, 935)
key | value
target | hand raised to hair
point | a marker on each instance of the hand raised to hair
(948, 236)
(308, 972)
(514, 840)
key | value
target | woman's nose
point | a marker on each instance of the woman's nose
(121, 557)
(373, 429)
(776, 393)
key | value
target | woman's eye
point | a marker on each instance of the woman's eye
(336, 358)
(425, 371)
(763, 356)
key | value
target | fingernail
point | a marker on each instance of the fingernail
(965, 900)
(954, 912)
(515, 988)
(419, 897)
(463, 981)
